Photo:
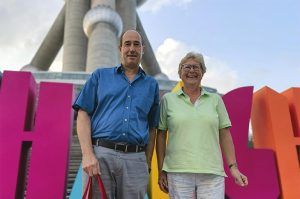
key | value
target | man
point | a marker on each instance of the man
(118, 110)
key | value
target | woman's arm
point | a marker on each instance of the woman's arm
(229, 153)
(160, 152)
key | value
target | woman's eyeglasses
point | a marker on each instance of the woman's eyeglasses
(188, 67)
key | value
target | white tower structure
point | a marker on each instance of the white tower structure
(89, 32)
(103, 26)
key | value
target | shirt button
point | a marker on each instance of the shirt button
(124, 134)
(126, 107)
(128, 96)
(125, 120)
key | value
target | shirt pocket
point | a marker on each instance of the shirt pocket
(143, 104)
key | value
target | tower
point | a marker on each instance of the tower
(89, 32)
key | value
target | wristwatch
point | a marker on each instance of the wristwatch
(233, 165)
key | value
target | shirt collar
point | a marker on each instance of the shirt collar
(120, 69)
(203, 91)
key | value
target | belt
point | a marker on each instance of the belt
(127, 148)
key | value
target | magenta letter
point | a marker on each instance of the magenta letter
(45, 127)
(257, 164)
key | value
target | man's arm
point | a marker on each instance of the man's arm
(90, 163)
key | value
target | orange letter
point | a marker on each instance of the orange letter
(272, 128)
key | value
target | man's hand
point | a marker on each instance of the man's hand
(90, 165)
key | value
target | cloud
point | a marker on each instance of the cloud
(169, 54)
(155, 5)
(24, 25)
(219, 75)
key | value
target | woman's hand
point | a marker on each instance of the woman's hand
(163, 181)
(239, 178)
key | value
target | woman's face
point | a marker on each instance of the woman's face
(191, 72)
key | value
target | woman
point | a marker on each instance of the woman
(191, 165)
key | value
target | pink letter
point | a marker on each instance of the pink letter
(45, 127)
(257, 164)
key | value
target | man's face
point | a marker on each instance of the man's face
(131, 49)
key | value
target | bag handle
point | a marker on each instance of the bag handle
(88, 192)
(101, 187)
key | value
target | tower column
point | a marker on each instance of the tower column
(127, 11)
(75, 41)
(103, 26)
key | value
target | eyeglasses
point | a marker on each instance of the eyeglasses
(188, 67)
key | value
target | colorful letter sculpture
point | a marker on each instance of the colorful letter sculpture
(257, 164)
(45, 126)
(35, 133)
(274, 118)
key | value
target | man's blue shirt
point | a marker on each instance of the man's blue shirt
(120, 110)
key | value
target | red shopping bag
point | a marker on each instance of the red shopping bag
(88, 192)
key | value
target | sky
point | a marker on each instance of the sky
(244, 43)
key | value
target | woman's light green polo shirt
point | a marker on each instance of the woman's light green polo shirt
(193, 132)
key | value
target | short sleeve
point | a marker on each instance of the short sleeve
(224, 120)
(163, 114)
(87, 98)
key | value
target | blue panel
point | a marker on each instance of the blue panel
(76, 192)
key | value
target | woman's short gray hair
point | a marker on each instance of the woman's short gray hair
(194, 56)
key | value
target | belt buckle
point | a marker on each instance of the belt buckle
(97, 142)
(117, 144)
